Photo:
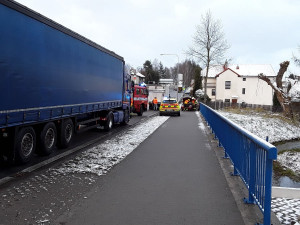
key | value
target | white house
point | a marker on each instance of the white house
(137, 77)
(240, 83)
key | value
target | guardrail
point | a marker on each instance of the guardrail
(251, 157)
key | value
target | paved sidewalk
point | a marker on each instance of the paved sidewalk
(173, 177)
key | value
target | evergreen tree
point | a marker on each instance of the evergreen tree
(156, 76)
(151, 75)
(148, 71)
(162, 71)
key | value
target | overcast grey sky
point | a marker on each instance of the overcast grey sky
(259, 31)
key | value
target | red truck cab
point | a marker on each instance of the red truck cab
(139, 99)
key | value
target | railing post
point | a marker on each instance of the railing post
(252, 178)
(271, 155)
(268, 192)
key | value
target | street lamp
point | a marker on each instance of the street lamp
(177, 72)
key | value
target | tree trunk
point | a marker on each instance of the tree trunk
(205, 84)
(285, 103)
(282, 97)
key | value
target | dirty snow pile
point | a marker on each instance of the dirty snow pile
(100, 159)
(274, 128)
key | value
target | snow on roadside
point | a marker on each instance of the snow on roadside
(100, 159)
(274, 128)
(200, 124)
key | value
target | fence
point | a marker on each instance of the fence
(251, 157)
(220, 105)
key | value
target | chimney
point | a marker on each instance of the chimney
(225, 66)
(237, 67)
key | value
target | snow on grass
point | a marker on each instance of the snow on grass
(100, 159)
(291, 160)
(275, 128)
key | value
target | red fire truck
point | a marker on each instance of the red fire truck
(139, 99)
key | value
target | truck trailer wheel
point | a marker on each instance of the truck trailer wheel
(48, 138)
(65, 134)
(25, 144)
(109, 122)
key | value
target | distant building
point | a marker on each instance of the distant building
(137, 77)
(166, 81)
(240, 83)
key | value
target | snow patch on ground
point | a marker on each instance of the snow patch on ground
(286, 210)
(274, 128)
(290, 160)
(100, 159)
(200, 124)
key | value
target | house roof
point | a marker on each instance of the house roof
(226, 70)
(139, 75)
(244, 70)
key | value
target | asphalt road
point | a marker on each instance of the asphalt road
(39, 195)
(8, 169)
(173, 177)
(176, 176)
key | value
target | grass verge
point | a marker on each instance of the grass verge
(280, 171)
(289, 150)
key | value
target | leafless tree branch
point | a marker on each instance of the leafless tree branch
(209, 43)
(282, 97)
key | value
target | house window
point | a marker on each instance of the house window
(227, 84)
(227, 100)
(244, 79)
(244, 91)
(213, 92)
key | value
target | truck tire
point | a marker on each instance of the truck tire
(65, 134)
(109, 122)
(126, 117)
(140, 113)
(25, 144)
(48, 138)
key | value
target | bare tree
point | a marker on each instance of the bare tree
(209, 43)
(283, 97)
(187, 69)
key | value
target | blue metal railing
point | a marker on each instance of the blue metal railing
(251, 157)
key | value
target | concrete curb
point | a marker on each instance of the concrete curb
(282, 192)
